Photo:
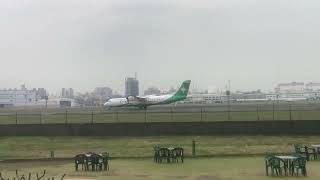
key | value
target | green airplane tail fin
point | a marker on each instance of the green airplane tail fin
(184, 89)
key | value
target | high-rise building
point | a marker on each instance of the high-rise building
(290, 87)
(42, 93)
(131, 86)
(67, 93)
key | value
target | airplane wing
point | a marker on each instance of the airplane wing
(141, 99)
(136, 99)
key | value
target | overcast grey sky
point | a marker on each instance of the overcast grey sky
(88, 43)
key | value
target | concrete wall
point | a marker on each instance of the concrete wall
(166, 128)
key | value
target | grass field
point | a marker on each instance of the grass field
(233, 157)
(109, 117)
(40, 147)
(225, 168)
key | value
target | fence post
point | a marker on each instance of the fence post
(201, 114)
(273, 110)
(228, 110)
(66, 117)
(258, 116)
(117, 116)
(171, 113)
(51, 154)
(290, 112)
(16, 117)
(145, 115)
(193, 148)
(91, 117)
(40, 118)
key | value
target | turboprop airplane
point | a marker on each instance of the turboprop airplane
(145, 101)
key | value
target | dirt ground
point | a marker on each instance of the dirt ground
(12, 165)
(220, 168)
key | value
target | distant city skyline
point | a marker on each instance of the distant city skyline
(299, 85)
(85, 44)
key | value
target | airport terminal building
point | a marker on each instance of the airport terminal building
(253, 97)
(17, 97)
(24, 97)
(286, 92)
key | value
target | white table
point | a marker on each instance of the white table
(288, 160)
(317, 146)
(287, 157)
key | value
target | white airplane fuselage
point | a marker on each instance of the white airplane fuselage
(149, 100)
(145, 101)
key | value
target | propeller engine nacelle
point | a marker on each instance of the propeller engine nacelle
(132, 100)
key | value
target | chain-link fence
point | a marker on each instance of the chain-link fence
(181, 113)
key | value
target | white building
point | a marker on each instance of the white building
(204, 98)
(67, 93)
(313, 86)
(57, 103)
(15, 97)
(290, 87)
(296, 91)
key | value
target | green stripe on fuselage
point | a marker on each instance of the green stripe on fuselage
(180, 95)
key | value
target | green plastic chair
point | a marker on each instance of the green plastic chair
(268, 162)
(277, 166)
(311, 153)
(156, 155)
(299, 164)
(299, 149)
(105, 160)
